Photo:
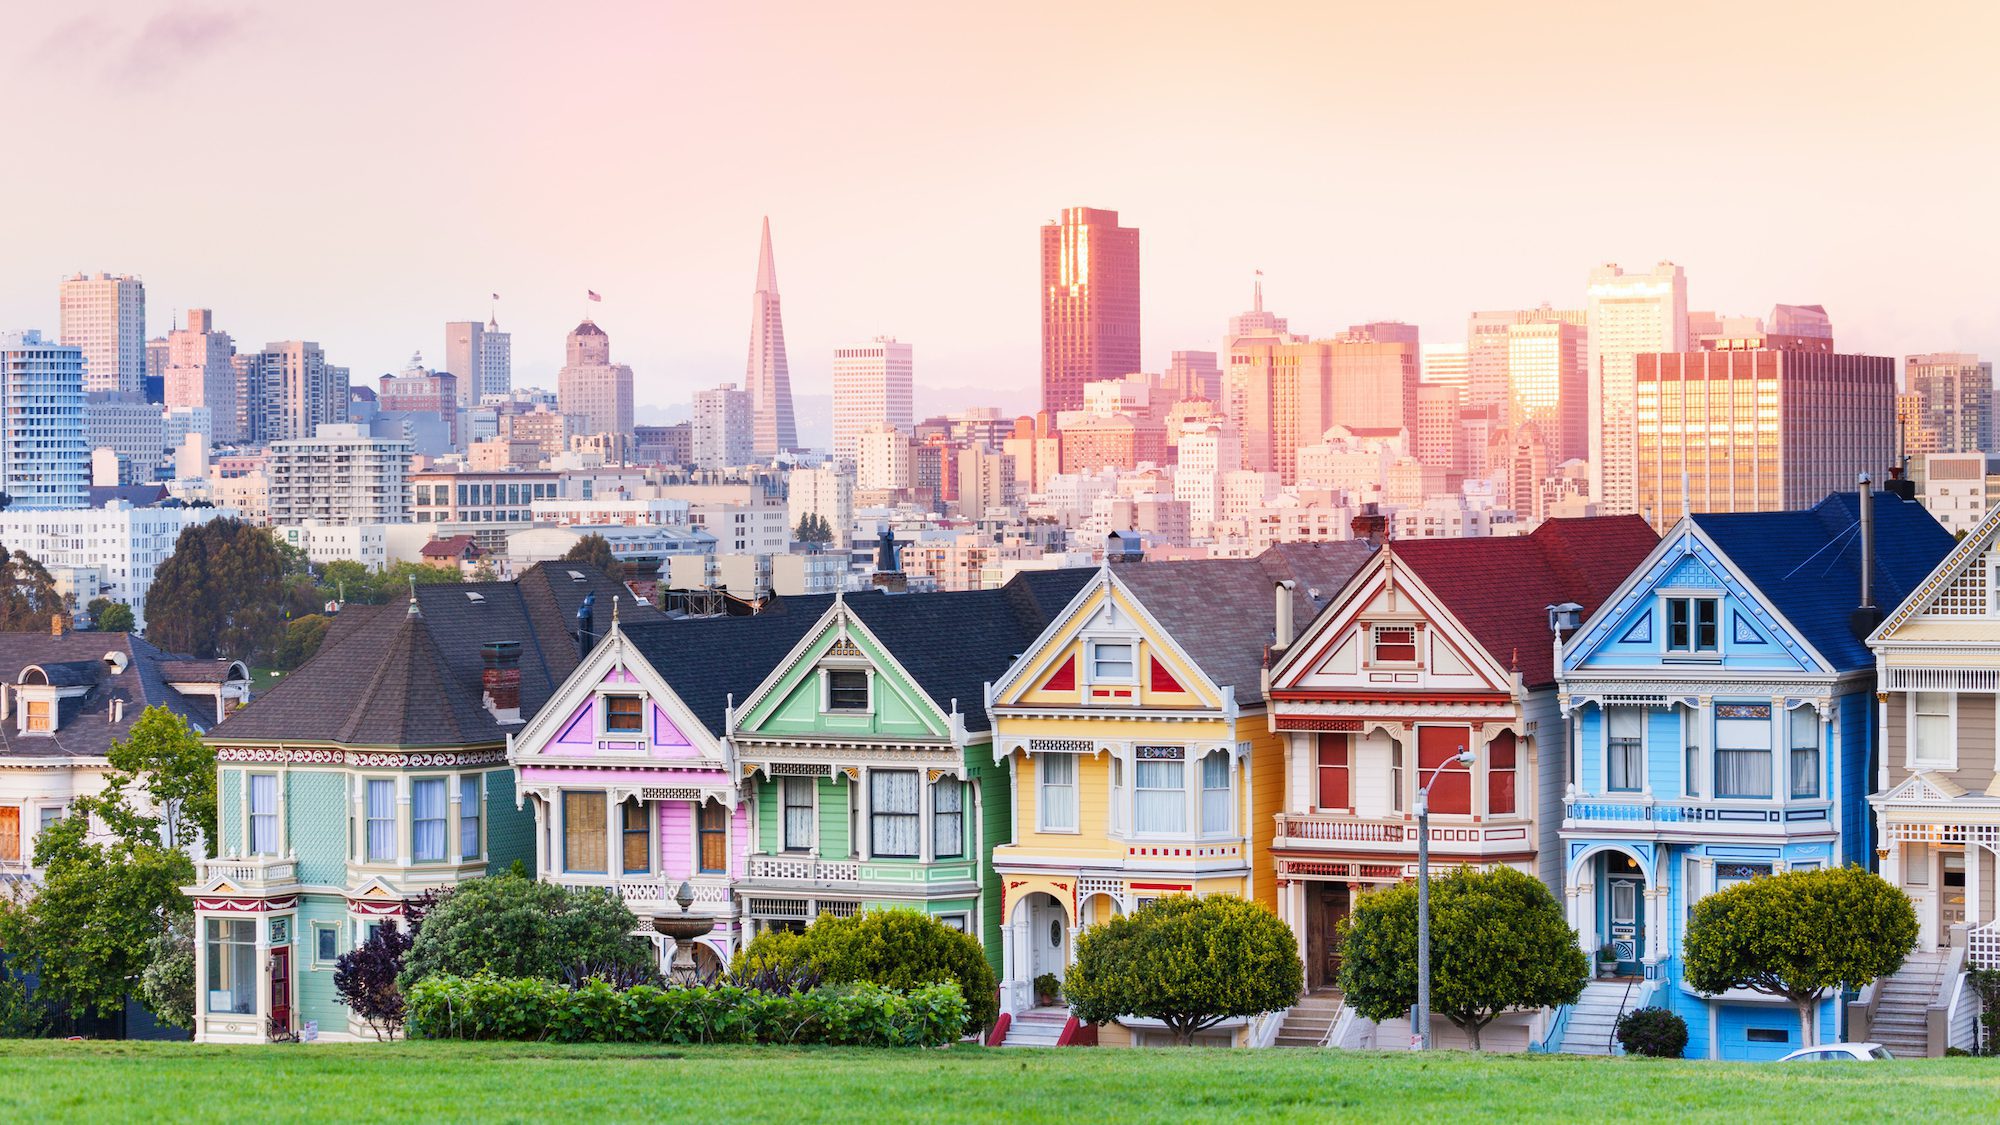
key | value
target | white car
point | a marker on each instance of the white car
(1841, 1052)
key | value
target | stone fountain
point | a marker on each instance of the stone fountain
(683, 928)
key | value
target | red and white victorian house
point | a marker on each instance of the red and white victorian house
(1433, 647)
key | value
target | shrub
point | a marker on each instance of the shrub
(1189, 962)
(23, 1015)
(1655, 1033)
(515, 927)
(781, 951)
(896, 948)
(166, 986)
(528, 1008)
(365, 979)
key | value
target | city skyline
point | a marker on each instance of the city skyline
(370, 265)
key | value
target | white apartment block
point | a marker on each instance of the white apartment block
(872, 384)
(178, 422)
(45, 463)
(123, 544)
(881, 458)
(1955, 489)
(364, 543)
(611, 509)
(827, 492)
(127, 425)
(724, 430)
(342, 476)
(105, 316)
(1629, 315)
(1206, 451)
(297, 391)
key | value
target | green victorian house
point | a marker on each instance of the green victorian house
(371, 775)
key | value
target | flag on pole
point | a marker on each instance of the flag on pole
(592, 294)
(496, 296)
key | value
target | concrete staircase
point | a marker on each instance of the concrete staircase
(1308, 1022)
(1900, 1022)
(1593, 1020)
(1036, 1027)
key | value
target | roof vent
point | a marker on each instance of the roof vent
(577, 576)
(474, 597)
(117, 662)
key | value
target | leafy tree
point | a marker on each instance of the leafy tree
(28, 597)
(1188, 962)
(483, 571)
(166, 986)
(23, 1015)
(114, 618)
(219, 593)
(1799, 935)
(294, 557)
(594, 549)
(365, 980)
(302, 639)
(814, 530)
(903, 949)
(516, 927)
(393, 583)
(163, 756)
(1498, 941)
(346, 580)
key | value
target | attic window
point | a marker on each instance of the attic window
(846, 689)
(623, 713)
(1395, 644)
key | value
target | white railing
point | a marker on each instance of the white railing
(1751, 817)
(256, 871)
(1982, 946)
(652, 891)
(804, 869)
(1341, 829)
(1263, 1030)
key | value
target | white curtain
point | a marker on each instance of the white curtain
(263, 814)
(1160, 803)
(948, 817)
(427, 815)
(1215, 792)
(381, 820)
(1625, 764)
(797, 793)
(468, 817)
(1742, 757)
(1058, 796)
(894, 807)
(1805, 754)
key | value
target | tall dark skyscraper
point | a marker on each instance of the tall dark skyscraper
(1090, 304)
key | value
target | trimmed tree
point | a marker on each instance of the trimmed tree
(594, 549)
(1188, 962)
(1799, 935)
(903, 949)
(115, 618)
(1498, 941)
(512, 926)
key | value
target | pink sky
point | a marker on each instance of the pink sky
(359, 173)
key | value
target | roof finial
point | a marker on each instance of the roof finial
(415, 612)
(615, 599)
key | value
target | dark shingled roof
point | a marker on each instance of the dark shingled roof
(84, 728)
(1808, 564)
(1222, 611)
(1501, 588)
(384, 678)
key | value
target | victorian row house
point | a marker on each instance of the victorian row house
(373, 774)
(1434, 648)
(1134, 730)
(1720, 709)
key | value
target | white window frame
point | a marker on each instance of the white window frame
(444, 817)
(1910, 759)
(956, 920)
(603, 832)
(649, 819)
(395, 820)
(250, 813)
(478, 783)
(604, 712)
(320, 964)
(931, 815)
(1202, 791)
(1375, 632)
(1131, 644)
(1072, 805)
(1190, 782)
(1643, 714)
(826, 706)
(811, 783)
(1807, 716)
(1694, 651)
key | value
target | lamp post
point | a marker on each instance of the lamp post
(1462, 758)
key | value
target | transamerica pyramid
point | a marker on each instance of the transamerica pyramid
(766, 378)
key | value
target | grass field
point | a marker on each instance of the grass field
(42, 1080)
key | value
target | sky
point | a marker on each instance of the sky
(359, 173)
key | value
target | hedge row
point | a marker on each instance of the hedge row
(489, 1007)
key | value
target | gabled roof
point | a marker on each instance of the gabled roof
(1807, 564)
(85, 729)
(1500, 588)
(1220, 611)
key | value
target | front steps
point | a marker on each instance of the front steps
(1036, 1027)
(1310, 1021)
(1593, 1019)
(1901, 1022)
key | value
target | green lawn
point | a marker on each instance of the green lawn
(527, 1082)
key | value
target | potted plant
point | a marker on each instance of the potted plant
(1607, 961)
(1048, 989)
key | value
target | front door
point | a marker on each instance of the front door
(1951, 895)
(1628, 924)
(1047, 937)
(281, 989)
(1329, 909)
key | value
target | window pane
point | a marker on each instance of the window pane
(232, 966)
(1452, 791)
(1677, 624)
(263, 814)
(427, 801)
(10, 834)
(1111, 662)
(714, 837)
(624, 713)
(468, 817)
(1500, 758)
(1058, 790)
(797, 793)
(634, 838)
(894, 811)
(1625, 752)
(1215, 792)
(583, 832)
(1160, 797)
(1396, 644)
(847, 689)
(1742, 773)
(1705, 617)
(381, 820)
(948, 817)
(1333, 788)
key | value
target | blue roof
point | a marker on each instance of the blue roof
(1808, 564)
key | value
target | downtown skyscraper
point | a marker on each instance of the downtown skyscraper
(1090, 304)
(872, 382)
(106, 317)
(766, 376)
(1629, 315)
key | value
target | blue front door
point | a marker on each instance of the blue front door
(1628, 922)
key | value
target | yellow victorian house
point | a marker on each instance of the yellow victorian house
(1134, 727)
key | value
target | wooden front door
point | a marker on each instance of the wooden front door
(1951, 895)
(1328, 906)
(281, 989)
(1628, 923)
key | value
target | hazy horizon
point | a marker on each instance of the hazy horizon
(359, 175)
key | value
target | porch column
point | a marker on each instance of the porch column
(1656, 919)
(1972, 864)
(454, 814)
(614, 851)
(1292, 900)
(863, 838)
(263, 924)
(404, 829)
(1892, 863)
(1582, 912)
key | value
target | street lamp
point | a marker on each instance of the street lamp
(1462, 758)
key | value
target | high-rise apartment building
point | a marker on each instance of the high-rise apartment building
(882, 460)
(597, 392)
(1294, 392)
(725, 434)
(106, 317)
(826, 492)
(1437, 438)
(294, 390)
(766, 376)
(496, 361)
(872, 382)
(1546, 387)
(1257, 322)
(1954, 399)
(419, 390)
(1757, 429)
(200, 371)
(465, 357)
(341, 476)
(1090, 304)
(1629, 315)
(44, 459)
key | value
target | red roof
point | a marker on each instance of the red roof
(457, 546)
(1501, 588)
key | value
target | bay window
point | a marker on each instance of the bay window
(427, 816)
(263, 814)
(1215, 793)
(469, 803)
(1624, 749)
(796, 795)
(1335, 777)
(1930, 729)
(948, 818)
(635, 850)
(232, 966)
(1159, 790)
(381, 817)
(1056, 797)
(1451, 793)
(1743, 750)
(1502, 756)
(583, 833)
(712, 826)
(895, 813)
(1805, 753)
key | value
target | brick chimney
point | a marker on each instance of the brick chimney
(1370, 524)
(500, 679)
(58, 624)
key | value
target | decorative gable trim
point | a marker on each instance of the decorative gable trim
(840, 620)
(1953, 585)
(1104, 592)
(615, 653)
(1924, 787)
(1343, 616)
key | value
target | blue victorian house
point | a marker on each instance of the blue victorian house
(1721, 729)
